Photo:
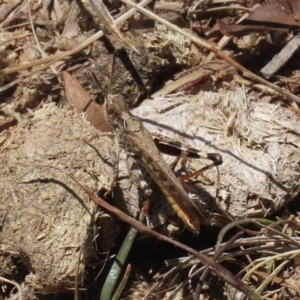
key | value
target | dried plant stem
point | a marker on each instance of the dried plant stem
(20, 36)
(13, 283)
(200, 42)
(266, 260)
(217, 269)
(109, 23)
(48, 61)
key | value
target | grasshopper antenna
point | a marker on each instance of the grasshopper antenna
(111, 76)
(112, 71)
(98, 83)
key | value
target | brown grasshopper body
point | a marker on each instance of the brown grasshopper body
(136, 138)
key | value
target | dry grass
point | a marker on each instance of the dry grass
(47, 221)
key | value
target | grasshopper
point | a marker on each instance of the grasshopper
(136, 139)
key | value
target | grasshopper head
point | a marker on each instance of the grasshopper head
(115, 105)
(118, 115)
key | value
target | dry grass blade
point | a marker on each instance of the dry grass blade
(76, 289)
(13, 283)
(48, 61)
(265, 245)
(13, 14)
(266, 260)
(285, 94)
(217, 269)
(218, 253)
(38, 45)
(272, 275)
(105, 17)
(15, 38)
(204, 71)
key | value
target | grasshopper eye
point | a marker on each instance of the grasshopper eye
(110, 108)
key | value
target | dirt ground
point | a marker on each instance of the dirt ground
(217, 77)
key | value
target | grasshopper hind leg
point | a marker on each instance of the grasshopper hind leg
(137, 177)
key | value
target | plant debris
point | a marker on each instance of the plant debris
(189, 72)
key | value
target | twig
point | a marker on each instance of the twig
(13, 283)
(216, 256)
(217, 269)
(61, 56)
(76, 293)
(105, 17)
(285, 94)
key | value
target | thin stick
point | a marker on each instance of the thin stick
(48, 61)
(217, 269)
(13, 283)
(286, 94)
(109, 23)
(76, 293)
